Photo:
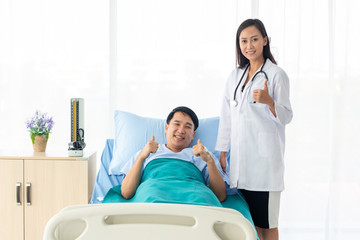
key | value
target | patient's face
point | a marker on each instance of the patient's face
(179, 132)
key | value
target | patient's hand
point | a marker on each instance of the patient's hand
(200, 150)
(150, 147)
(216, 182)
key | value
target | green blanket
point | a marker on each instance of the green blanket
(169, 181)
(176, 181)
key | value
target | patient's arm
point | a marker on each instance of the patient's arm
(216, 182)
(132, 180)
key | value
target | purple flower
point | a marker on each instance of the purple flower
(40, 124)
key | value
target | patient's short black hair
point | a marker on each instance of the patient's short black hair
(186, 110)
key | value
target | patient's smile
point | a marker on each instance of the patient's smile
(179, 137)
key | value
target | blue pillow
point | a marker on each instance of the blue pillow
(132, 132)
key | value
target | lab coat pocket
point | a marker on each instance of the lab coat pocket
(266, 142)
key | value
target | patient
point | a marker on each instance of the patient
(173, 173)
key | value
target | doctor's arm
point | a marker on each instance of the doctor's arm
(132, 180)
(279, 103)
(216, 182)
(224, 131)
(281, 95)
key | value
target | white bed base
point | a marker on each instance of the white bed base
(148, 221)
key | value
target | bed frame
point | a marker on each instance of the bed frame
(148, 221)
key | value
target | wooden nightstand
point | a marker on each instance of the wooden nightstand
(35, 186)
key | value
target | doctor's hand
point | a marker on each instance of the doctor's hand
(262, 95)
(150, 147)
(223, 161)
(200, 150)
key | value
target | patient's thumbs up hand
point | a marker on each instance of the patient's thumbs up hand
(200, 150)
(153, 145)
(150, 147)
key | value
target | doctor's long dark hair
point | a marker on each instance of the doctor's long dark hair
(241, 60)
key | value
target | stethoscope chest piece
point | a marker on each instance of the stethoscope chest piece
(234, 103)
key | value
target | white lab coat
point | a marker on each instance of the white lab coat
(257, 138)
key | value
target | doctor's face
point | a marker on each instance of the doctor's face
(252, 44)
(179, 132)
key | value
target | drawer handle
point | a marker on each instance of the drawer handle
(28, 190)
(18, 190)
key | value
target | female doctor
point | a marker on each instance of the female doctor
(254, 112)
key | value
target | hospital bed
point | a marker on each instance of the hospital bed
(149, 220)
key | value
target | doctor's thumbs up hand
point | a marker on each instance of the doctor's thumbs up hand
(150, 147)
(200, 150)
(262, 95)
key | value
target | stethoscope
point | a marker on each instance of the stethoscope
(234, 102)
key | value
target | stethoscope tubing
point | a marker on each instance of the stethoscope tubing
(237, 86)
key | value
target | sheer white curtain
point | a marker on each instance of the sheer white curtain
(315, 41)
(51, 51)
(171, 53)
